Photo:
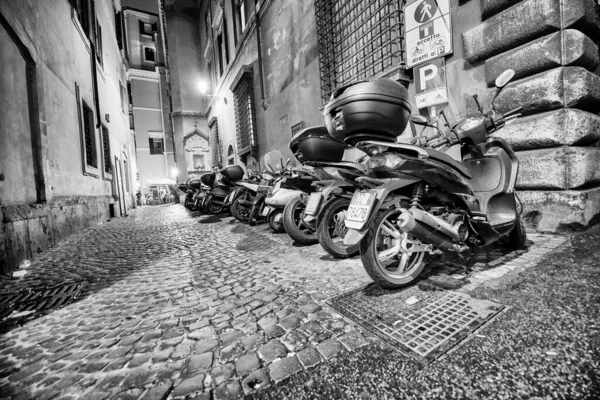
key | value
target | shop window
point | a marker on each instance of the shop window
(215, 146)
(199, 162)
(157, 146)
(149, 54)
(245, 114)
(358, 40)
(106, 152)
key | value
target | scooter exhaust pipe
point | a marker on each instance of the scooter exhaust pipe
(429, 229)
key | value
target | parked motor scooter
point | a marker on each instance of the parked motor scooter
(242, 196)
(289, 189)
(417, 199)
(220, 187)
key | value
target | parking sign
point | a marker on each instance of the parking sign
(430, 83)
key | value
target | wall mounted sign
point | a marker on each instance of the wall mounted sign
(430, 83)
(428, 30)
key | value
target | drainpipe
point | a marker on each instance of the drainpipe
(260, 64)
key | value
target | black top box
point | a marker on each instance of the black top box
(377, 109)
(194, 183)
(208, 179)
(316, 144)
(233, 173)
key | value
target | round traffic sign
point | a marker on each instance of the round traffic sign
(425, 11)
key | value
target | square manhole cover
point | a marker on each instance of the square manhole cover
(425, 330)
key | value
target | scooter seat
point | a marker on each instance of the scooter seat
(446, 159)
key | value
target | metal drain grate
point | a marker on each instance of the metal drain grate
(438, 323)
(40, 299)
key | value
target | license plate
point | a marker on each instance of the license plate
(359, 208)
(314, 201)
(265, 211)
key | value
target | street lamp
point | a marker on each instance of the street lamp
(203, 87)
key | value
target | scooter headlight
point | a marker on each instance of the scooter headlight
(385, 161)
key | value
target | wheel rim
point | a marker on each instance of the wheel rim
(400, 265)
(299, 219)
(277, 220)
(336, 226)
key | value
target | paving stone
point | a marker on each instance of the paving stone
(222, 373)
(200, 362)
(290, 322)
(284, 367)
(206, 345)
(353, 340)
(199, 324)
(246, 364)
(129, 340)
(267, 321)
(295, 340)
(330, 348)
(231, 352)
(309, 357)
(272, 350)
(253, 341)
(273, 331)
(136, 361)
(137, 378)
(256, 381)
(228, 390)
(310, 308)
(158, 392)
(189, 386)
(230, 337)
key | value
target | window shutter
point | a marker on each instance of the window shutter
(151, 141)
(73, 4)
(155, 27)
(119, 29)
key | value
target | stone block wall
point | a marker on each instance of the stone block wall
(553, 47)
(28, 230)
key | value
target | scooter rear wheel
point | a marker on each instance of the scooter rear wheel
(213, 207)
(238, 211)
(294, 225)
(392, 272)
(331, 230)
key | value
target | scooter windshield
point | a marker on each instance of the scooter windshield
(462, 81)
(274, 161)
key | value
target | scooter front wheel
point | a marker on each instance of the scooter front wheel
(294, 225)
(331, 229)
(382, 255)
(275, 220)
(212, 206)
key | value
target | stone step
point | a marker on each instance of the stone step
(549, 210)
(492, 7)
(569, 47)
(567, 126)
(559, 168)
(527, 21)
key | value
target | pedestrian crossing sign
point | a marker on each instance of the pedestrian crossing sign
(428, 30)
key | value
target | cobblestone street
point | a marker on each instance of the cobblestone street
(180, 305)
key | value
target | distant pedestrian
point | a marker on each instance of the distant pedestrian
(138, 196)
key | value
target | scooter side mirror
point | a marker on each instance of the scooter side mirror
(502, 81)
(504, 78)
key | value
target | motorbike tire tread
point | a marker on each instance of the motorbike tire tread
(323, 231)
(291, 228)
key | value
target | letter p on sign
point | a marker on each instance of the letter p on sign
(430, 76)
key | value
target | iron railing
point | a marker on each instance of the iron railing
(358, 40)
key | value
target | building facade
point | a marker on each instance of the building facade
(270, 66)
(149, 107)
(66, 153)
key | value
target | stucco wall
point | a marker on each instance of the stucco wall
(70, 199)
